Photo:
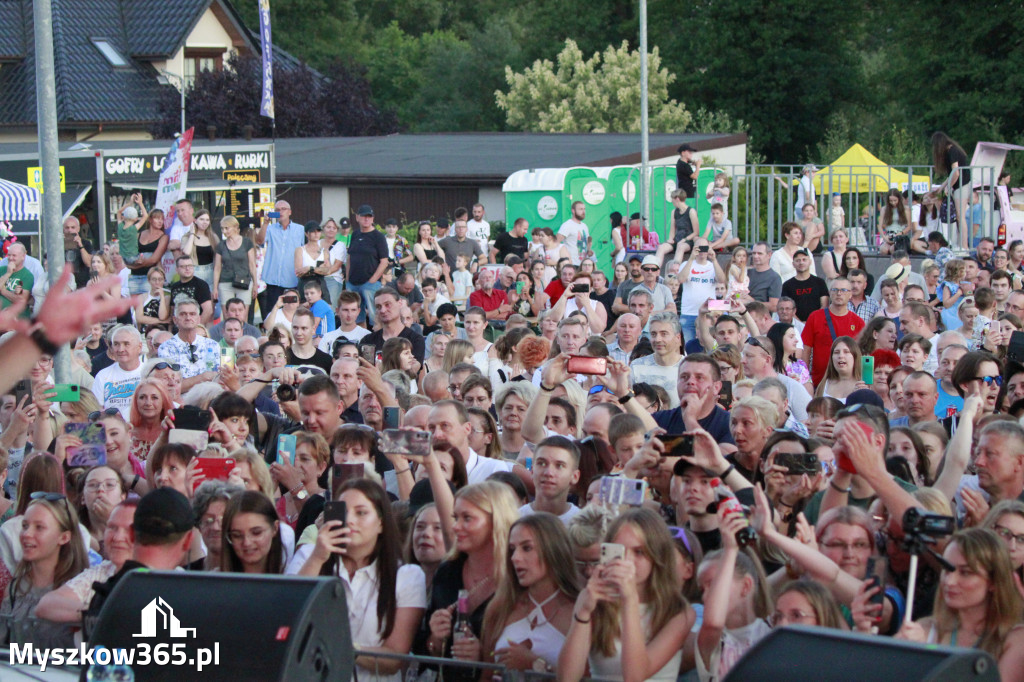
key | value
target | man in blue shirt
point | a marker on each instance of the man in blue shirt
(281, 237)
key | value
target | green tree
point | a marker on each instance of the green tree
(596, 95)
(783, 66)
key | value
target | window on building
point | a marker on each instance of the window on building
(110, 52)
(198, 60)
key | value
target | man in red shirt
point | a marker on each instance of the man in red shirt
(557, 287)
(493, 301)
(824, 326)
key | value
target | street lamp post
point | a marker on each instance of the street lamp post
(165, 79)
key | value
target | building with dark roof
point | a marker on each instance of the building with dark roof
(111, 60)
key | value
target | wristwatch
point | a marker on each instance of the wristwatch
(626, 398)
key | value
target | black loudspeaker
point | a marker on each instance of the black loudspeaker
(826, 655)
(240, 627)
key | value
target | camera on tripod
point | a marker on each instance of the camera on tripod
(918, 522)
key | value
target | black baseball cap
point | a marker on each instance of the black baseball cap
(365, 209)
(685, 147)
(312, 226)
(443, 224)
(682, 466)
(635, 256)
(391, 221)
(344, 224)
(164, 512)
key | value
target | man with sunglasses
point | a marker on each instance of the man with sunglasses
(198, 356)
(825, 326)
(115, 385)
(661, 295)
(758, 358)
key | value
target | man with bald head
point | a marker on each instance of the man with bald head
(344, 374)
(77, 251)
(281, 237)
(15, 280)
(627, 332)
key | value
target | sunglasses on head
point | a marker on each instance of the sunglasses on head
(597, 388)
(680, 534)
(754, 342)
(98, 414)
(52, 497)
(167, 365)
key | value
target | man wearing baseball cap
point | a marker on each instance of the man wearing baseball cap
(634, 262)
(162, 533)
(367, 261)
(686, 172)
(661, 295)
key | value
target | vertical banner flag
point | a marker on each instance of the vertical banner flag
(267, 102)
(170, 188)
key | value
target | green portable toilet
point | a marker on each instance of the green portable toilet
(662, 184)
(593, 192)
(541, 195)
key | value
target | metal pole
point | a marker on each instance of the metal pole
(49, 159)
(182, 105)
(645, 195)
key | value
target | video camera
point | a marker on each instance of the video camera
(918, 522)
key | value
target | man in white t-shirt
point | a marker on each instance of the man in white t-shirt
(479, 229)
(661, 368)
(449, 422)
(348, 313)
(184, 216)
(556, 468)
(115, 385)
(575, 234)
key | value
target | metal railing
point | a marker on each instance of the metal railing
(763, 197)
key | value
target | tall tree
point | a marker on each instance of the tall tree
(596, 95)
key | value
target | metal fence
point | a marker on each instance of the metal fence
(763, 197)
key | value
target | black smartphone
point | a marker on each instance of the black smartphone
(798, 463)
(391, 418)
(21, 389)
(876, 571)
(725, 395)
(191, 418)
(703, 249)
(580, 288)
(344, 472)
(335, 510)
(290, 298)
(677, 446)
(1015, 351)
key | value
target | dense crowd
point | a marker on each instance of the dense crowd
(507, 454)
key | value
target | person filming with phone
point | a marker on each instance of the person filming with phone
(577, 296)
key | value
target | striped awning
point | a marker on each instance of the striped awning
(18, 202)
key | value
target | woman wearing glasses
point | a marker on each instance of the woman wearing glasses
(154, 310)
(806, 602)
(102, 490)
(1007, 519)
(52, 553)
(526, 623)
(252, 536)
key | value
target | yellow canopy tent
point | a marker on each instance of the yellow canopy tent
(858, 170)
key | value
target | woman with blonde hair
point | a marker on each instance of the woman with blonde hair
(234, 264)
(199, 243)
(977, 604)
(806, 602)
(458, 351)
(536, 599)
(53, 552)
(484, 514)
(251, 472)
(631, 615)
(150, 404)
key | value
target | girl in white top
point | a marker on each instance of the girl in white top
(739, 283)
(385, 600)
(843, 374)
(526, 622)
(832, 261)
(782, 260)
(484, 354)
(977, 604)
(631, 615)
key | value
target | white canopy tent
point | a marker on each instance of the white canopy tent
(18, 202)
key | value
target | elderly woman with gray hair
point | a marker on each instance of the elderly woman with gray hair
(209, 502)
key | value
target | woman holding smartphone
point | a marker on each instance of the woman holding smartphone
(631, 616)
(283, 310)
(385, 599)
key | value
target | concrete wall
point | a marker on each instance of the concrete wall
(334, 201)
(493, 200)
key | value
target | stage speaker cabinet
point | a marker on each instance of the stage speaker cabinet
(239, 627)
(826, 655)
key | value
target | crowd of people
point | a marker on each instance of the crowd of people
(632, 474)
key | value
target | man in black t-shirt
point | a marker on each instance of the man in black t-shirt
(808, 291)
(77, 251)
(686, 172)
(513, 241)
(388, 302)
(367, 261)
(303, 351)
(192, 287)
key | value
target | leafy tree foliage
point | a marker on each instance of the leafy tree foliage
(596, 95)
(307, 104)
